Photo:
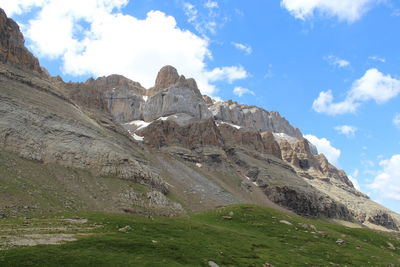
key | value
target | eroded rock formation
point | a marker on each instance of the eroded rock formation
(12, 49)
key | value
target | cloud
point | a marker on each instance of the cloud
(17, 7)
(93, 37)
(396, 13)
(243, 47)
(347, 130)
(387, 182)
(206, 18)
(211, 4)
(344, 10)
(324, 146)
(374, 85)
(396, 120)
(240, 91)
(376, 58)
(269, 73)
(324, 104)
(355, 182)
(336, 61)
(229, 74)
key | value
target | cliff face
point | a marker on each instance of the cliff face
(253, 118)
(309, 165)
(12, 49)
(169, 138)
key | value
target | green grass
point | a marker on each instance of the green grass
(252, 237)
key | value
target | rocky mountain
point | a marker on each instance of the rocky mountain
(187, 152)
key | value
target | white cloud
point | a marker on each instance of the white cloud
(211, 4)
(387, 182)
(243, 47)
(374, 85)
(336, 61)
(355, 182)
(376, 58)
(17, 7)
(324, 104)
(344, 10)
(204, 21)
(229, 74)
(325, 147)
(240, 91)
(347, 130)
(396, 120)
(93, 37)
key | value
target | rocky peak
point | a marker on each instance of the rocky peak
(12, 48)
(116, 81)
(166, 77)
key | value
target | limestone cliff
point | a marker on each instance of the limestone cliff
(253, 118)
(12, 49)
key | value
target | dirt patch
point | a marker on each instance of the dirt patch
(40, 239)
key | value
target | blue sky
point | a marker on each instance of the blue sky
(332, 69)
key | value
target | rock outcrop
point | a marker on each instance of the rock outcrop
(299, 155)
(309, 203)
(169, 133)
(175, 95)
(253, 140)
(12, 49)
(253, 118)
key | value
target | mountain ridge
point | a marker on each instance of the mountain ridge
(184, 147)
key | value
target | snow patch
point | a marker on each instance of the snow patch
(255, 183)
(137, 137)
(138, 123)
(230, 124)
(166, 118)
(283, 136)
(145, 98)
(199, 165)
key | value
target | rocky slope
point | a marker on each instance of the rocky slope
(177, 143)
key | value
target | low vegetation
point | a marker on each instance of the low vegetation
(240, 235)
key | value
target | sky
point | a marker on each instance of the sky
(330, 67)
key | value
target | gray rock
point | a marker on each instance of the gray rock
(285, 222)
(212, 264)
(174, 100)
(125, 229)
(340, 242)
(253, 117)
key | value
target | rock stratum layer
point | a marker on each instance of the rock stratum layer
(169, 139)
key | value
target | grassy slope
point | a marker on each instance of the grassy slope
(252, 237)
(32, 187)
